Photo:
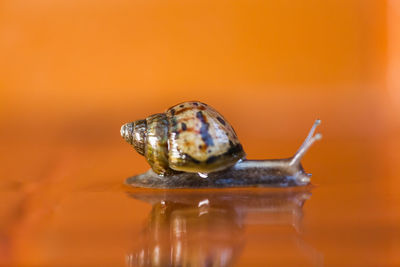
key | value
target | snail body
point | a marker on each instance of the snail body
(192, 145)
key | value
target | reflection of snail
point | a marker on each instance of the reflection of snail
(192, 141)
(207, 228)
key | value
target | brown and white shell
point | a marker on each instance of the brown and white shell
(189, 137)
(200, 139)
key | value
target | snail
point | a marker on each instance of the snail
(192, 145)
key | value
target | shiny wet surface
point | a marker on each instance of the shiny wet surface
(208, 228)
(74, 71)
(77, 212)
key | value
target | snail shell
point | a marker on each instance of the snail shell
(189, 137)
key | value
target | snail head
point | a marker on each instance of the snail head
(135, 134)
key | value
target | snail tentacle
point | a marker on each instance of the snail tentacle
(311, 138)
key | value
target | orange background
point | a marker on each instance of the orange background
(72, 72)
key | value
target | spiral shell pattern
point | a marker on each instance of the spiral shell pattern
(200, 139)
(188, 137)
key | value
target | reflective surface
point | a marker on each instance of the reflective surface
(204, 228)
(72, 72)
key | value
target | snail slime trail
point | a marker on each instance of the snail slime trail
(191, 145)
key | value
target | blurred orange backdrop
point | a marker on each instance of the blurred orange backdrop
(267, 58)
(73, 71)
